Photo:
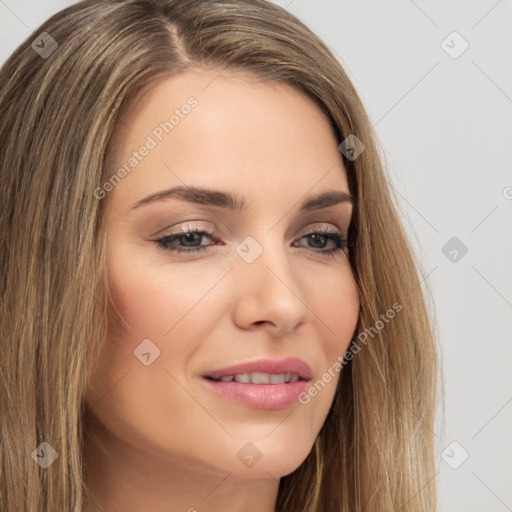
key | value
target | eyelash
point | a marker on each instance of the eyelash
(337, 236)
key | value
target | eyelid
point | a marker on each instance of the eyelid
(182, 228)
(322, 225)
(191, 226)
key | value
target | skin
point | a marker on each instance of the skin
(171, 444)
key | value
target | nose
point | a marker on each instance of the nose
(269, 295)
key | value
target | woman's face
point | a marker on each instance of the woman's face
(261, 287)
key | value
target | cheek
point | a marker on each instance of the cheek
(147, 300)
(165, 302)
(336, 307)
(341, 310)
(335, 313)
(338, 311)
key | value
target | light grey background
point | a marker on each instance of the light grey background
(446, 126)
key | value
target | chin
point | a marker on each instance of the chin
(264, 460)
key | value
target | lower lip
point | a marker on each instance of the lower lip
(260, 396)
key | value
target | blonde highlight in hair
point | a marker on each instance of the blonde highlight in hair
(59, 115)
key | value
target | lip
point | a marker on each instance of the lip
(286, 365)
(259, 396)
(262, 396)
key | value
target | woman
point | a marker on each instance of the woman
(208, 299)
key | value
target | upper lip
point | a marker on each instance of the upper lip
(272, 366)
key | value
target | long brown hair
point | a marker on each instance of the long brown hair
(59, 111)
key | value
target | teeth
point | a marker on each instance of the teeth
(260, 378)
(244, 378)
(277, 379)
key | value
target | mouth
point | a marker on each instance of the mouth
(264, 371)
(262, 384)
(259, 378)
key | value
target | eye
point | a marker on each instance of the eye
(189, 239)
(189, 236)
(322, 236)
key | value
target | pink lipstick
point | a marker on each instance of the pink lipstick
(262, 383)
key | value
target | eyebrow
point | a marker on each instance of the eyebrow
(209, 197)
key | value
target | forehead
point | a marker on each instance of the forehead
(231, 130)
